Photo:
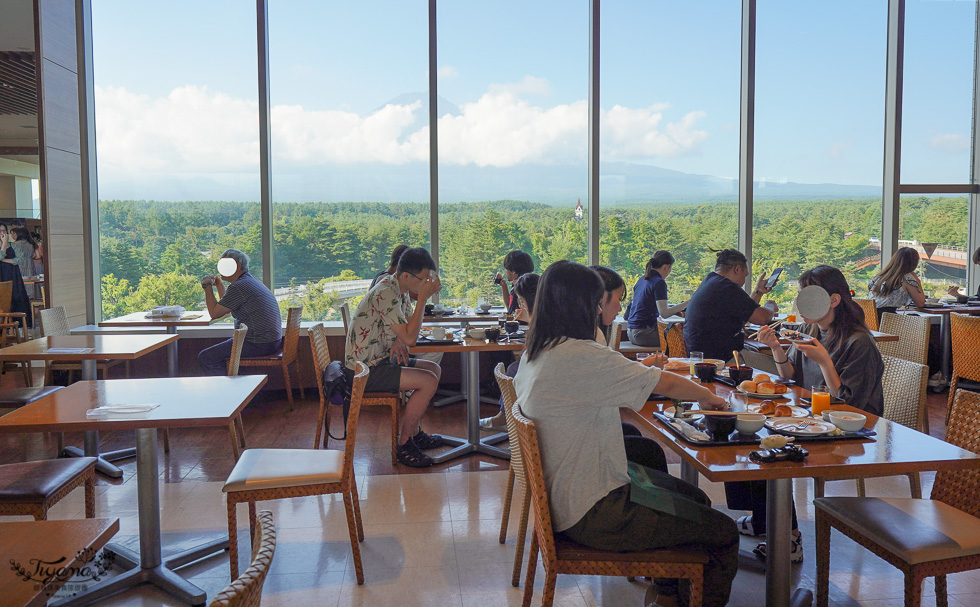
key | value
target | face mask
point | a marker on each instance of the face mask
(227, 266)
(813, 302)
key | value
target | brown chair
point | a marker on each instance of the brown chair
(672, 338)
(615, 335)
(13, 330)
(272, 474)
(54, 321)
(966, 352)
(31, 488)
(246, 590)
(870, 312)
(393, 400)
(321, 358)
(286, 356)
(913, 336)
(565, 556)
(515, 471)
(921, 537)
(904, 384)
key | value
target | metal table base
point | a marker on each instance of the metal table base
(473, 443)
(450, 397)
(148, 566)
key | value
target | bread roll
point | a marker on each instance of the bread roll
(783, 411)
(767, 408)
(766, 387)
(761, 377)
(748, 386)
(676, 366)
(780, 388)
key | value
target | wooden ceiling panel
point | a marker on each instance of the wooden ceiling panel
(18, 84)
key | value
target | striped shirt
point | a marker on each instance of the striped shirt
(252, 303)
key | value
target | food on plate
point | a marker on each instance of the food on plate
(783, 411)
(767, 407)
(774, 441)
(765, 387)
(677, 366)
(780, 388)
(794, 335)
(748, 386)
(761, 377)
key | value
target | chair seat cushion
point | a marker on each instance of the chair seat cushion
(571, 551)
(18, 397)
(275, 468)
(30, 482)
(917, 530)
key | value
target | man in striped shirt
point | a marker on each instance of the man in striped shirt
(252, 304)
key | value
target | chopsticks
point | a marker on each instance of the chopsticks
(771, 325)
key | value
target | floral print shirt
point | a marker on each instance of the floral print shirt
(370, 337)
(895, 299)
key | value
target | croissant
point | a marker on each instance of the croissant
(768, 407)
(783, 411)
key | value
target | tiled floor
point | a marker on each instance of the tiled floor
(431, 537)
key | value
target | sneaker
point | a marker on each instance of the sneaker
(795, 554)
(410, 455)
(745, 527)
(427, 441)
(489, 424)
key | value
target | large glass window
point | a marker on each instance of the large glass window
(819, 116)
(512, 138)
(350, 144)
(669, 136)
(935, 225)
(177, 137)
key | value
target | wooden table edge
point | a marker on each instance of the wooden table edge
(64, 357)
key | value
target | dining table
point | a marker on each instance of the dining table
(173, 403)
(943, 310)
(87, 350)
(470, 350)
(893, 450)
(170, 324)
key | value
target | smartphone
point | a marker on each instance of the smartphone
(774, 278)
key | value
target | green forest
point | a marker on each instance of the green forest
(154, 253)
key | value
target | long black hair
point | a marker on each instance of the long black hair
(566, 306)
(660, 259)
(611, 280)
(904, 261)
(848, 316)
(526, 287)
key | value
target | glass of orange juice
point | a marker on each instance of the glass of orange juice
(819, 399)
(791, 318)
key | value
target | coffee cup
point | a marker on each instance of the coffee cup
(439, 333)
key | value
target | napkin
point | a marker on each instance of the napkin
(689, 431)
(133, 410)
(166, 311)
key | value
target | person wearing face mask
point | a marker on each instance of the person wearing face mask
(250, 302)
(843, 356)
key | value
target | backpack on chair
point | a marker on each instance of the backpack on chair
(337, 389)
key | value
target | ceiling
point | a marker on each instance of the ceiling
(18, 92)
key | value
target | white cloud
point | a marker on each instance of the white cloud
(194, 130)
(446, 72)
(950, 143)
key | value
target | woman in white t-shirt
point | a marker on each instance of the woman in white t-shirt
(573, 388)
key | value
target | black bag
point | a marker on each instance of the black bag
(337, 389)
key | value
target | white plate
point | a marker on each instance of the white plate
(690, 416)
(756, 395)
(797, 411)
(790, 425)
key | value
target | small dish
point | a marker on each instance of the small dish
(750, 423)
(848, 421)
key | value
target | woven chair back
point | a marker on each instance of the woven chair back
(246, 589)
(615, 335)
(54, 321)
(345, 316)
(320, 348)
(509, 395)
(356, 396)
(237, 342)
(966, 346)
(961, 488)
(291, 339)
(904, 385)
(6, 295)
(870, 312)
(913, 336)
(527, 435)
(672, 339)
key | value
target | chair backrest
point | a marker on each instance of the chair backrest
(961, 488)
(321, 356)
(6, 295)
(673, 339)
(236, 349)
(510, 397)
(913, 336)
(291, 339)
(870, 312)
(54, 321)
(966, 346)
(345, 316)
(246, 589)
(527, 435)
(615, 335)
(356, 395)
(904, 384)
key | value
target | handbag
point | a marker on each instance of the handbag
(337, 388)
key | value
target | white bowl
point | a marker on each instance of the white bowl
(847, 420)
(932, 300)
(749, 423)
(476, 333)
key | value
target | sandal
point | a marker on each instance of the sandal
(427, 441)
(410, 455)
(795, 555)
(745, 526)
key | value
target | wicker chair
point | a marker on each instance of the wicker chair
(672, 339)
(321, 358)
(272, 474)
(246, 590)
(870, 312)
(516, 470)
(54, 321)
(393, 400)
(913, 336)
(922, 538)
(966, 352)
(13, 330)
(564, 556)
(615, 335)
(286, 356)
(31, 488)
(904, 383)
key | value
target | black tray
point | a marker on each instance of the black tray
(425, 341)
(724, 379)
(736, 438)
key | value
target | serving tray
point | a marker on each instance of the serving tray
(736, 438)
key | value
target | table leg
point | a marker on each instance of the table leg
(102, 465)
(148, 566)
(455, 397)
(946, 339)
(172, 353)
(688, 473)
(779, 504)
(472, 443)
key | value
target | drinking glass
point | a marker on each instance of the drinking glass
(695, 358)
(819, 399)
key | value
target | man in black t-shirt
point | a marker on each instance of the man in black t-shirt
(720, 308)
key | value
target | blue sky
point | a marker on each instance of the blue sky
(519, 70)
